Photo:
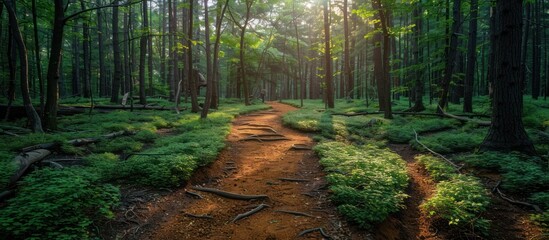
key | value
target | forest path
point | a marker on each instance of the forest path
(253, 168)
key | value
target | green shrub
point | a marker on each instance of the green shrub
(8, 168)
(57, 204)
(459, 201)
(159, 171)
(401, 130)
(437, 169)
(117, 145)
(106, 165)
(368, 182)
(145, 136)
(541, 198)
(451, 141)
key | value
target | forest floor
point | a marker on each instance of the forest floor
(267, 167)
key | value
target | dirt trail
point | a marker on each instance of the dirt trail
(252, 168)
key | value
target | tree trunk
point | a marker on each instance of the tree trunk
(524, 48)
(419, 83)
(193, 87)
(116, 55)
(37, 55)
(384, 81)
(536, 51)
(471, 59)
(75, 83)
(451, 55)
(150, 56)
(86, 81)
(52, 95)
(101, 46)
(36, 124)
(507, 131)
(143, 52)
(328, 58)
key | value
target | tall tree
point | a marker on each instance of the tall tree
(117, 74)
(536, 50)
(450, 56)
(143, 51)
(507, 131)
(419, 84)
(348, 74)
(192, 78)
(37, 55)
(32, 115)
(52, 95)
(86, 81)
(382, 59)
(328, 58)
(471, 59)
(101, 55)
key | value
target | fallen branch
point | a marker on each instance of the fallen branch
(293, 179)
(41, 146)
(77, 142)
(229, 194)
(6, 194)
(199, 216)
(503, 196)
(55, 165)
(456, 167)
(2, 131)
(321, 230)
(249, 213)
(194, 194)
(300, 147)
(296, 213)
(465, 119)
(17, 129)
(407, 113)
(256, 125)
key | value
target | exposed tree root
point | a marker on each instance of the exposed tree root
(261, 139)
(300, 147)
(193, 194)
(2, 131)
(205, 216)
(321, 230)
(229, 194)
(504, 197)
(259, 128)
(6, 194)
(456, 167)
(293, 179)
(296, 213)
(249, 213)
(256, 125)
(465, 119)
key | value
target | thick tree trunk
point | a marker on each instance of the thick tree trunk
(419, 85)
(86, 81)
(193, 87)
(507, 131)
(471, 59)
(328, 58)
(451, 55)
(52, 95)
(150, 51)
(524, 48)
(116, 55)
(76, 80)
(36, 124)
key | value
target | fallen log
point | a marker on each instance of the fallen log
(465, 119)
(229, 194)
(121, 107)
(76, 142)
(2, 131)
(465, 116)
(251, 212)
(25, 160)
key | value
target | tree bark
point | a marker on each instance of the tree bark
(116, 56)
(524, 51)
(209, 70)
(419, 85)
(101, 46)
(536, 51)
(86, 81)
(507, 131)
(52, 95)
(143, 52)
(328, 58)
(471, 59)
(37, 54)
(193, 87)
(451, 55)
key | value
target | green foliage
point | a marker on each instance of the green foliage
(437, 169)
(401, 130)
(117, 145)
(8, 168)
(451, 141)
(158, 171)
(368, 182)
(145, 136)
(541, 198)
(15, 144)
(520, 173)
(459, 201)
(57, 204)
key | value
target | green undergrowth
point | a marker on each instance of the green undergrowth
(523, 175)
(459, 200)
(64, 203)
(367, 182)
(458, 140)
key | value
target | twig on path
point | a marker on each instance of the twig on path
(456, 167)
(261, 139)
(296, 213)
(193, 194)
(199, 216)
(246, 214)
(321, 230)
(259, 128)
(300, 147)
(229, 194)
(293, 179)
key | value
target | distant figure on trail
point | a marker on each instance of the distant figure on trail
(262, 95)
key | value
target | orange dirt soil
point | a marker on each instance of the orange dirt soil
(254, 167)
